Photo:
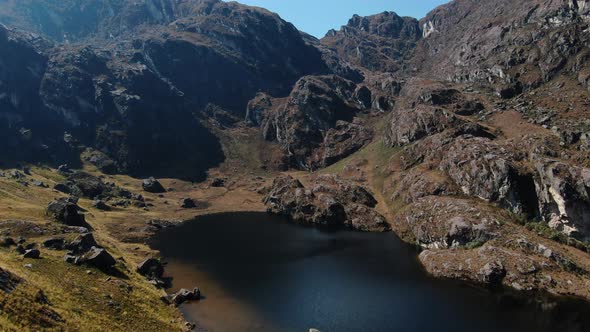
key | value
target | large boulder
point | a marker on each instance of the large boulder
(185, 295)
(86, 185)
(82, 243)
(55, 243)
(188, 203)
(98, 258)
(32, 253)
(152, 185)
(151, 268)
(65, 211)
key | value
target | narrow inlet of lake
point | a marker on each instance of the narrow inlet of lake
(260, 273)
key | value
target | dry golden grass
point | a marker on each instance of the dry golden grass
(81, 299)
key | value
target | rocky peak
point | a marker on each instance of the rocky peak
(378, 43)
(386, 24)
(501, 41)
(74, 20)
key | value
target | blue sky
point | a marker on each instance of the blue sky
(316, 17)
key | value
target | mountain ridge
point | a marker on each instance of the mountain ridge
(466, 130)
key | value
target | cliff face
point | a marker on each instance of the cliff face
(379, 43)
(477, 117)
(27, 132)
(73, 20)
(136, 77)
(525, 42)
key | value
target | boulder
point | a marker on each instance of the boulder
(64, 169)
(100, 205)
(185, 295)
(20, 249)
(217, 183)
(152, 185)
(87, 185)
(98, 258)
(188, 203)
(492, 273)
(71, 259)
(82, 243)
(55, 243)
(16, 175)
(65, 211)
(32, 253)
(6, 242)
(62, 187)
(39, 184)
(151, 268)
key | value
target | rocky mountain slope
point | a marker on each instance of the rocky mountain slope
(131, 97)
(465, 132)
(381, 42)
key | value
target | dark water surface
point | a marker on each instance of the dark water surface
(260, 273)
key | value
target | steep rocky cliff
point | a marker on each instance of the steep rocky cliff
(136, 77)
(380, 42)
(470, 126)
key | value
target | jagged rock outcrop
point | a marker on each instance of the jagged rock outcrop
(316, 124)
(72, 20)
(66, 211)
(443, 222)
(27, 133)
(329, 201)
(490, 171)
(564, 199)
(132, 99)
(510, 43)
(421, 182)
(379, 43)
(425, 108)
(8, 281)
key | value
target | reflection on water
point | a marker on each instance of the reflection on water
(260, 273)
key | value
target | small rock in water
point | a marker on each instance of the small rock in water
(184, 295)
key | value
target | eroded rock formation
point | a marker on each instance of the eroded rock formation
(328, 201)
